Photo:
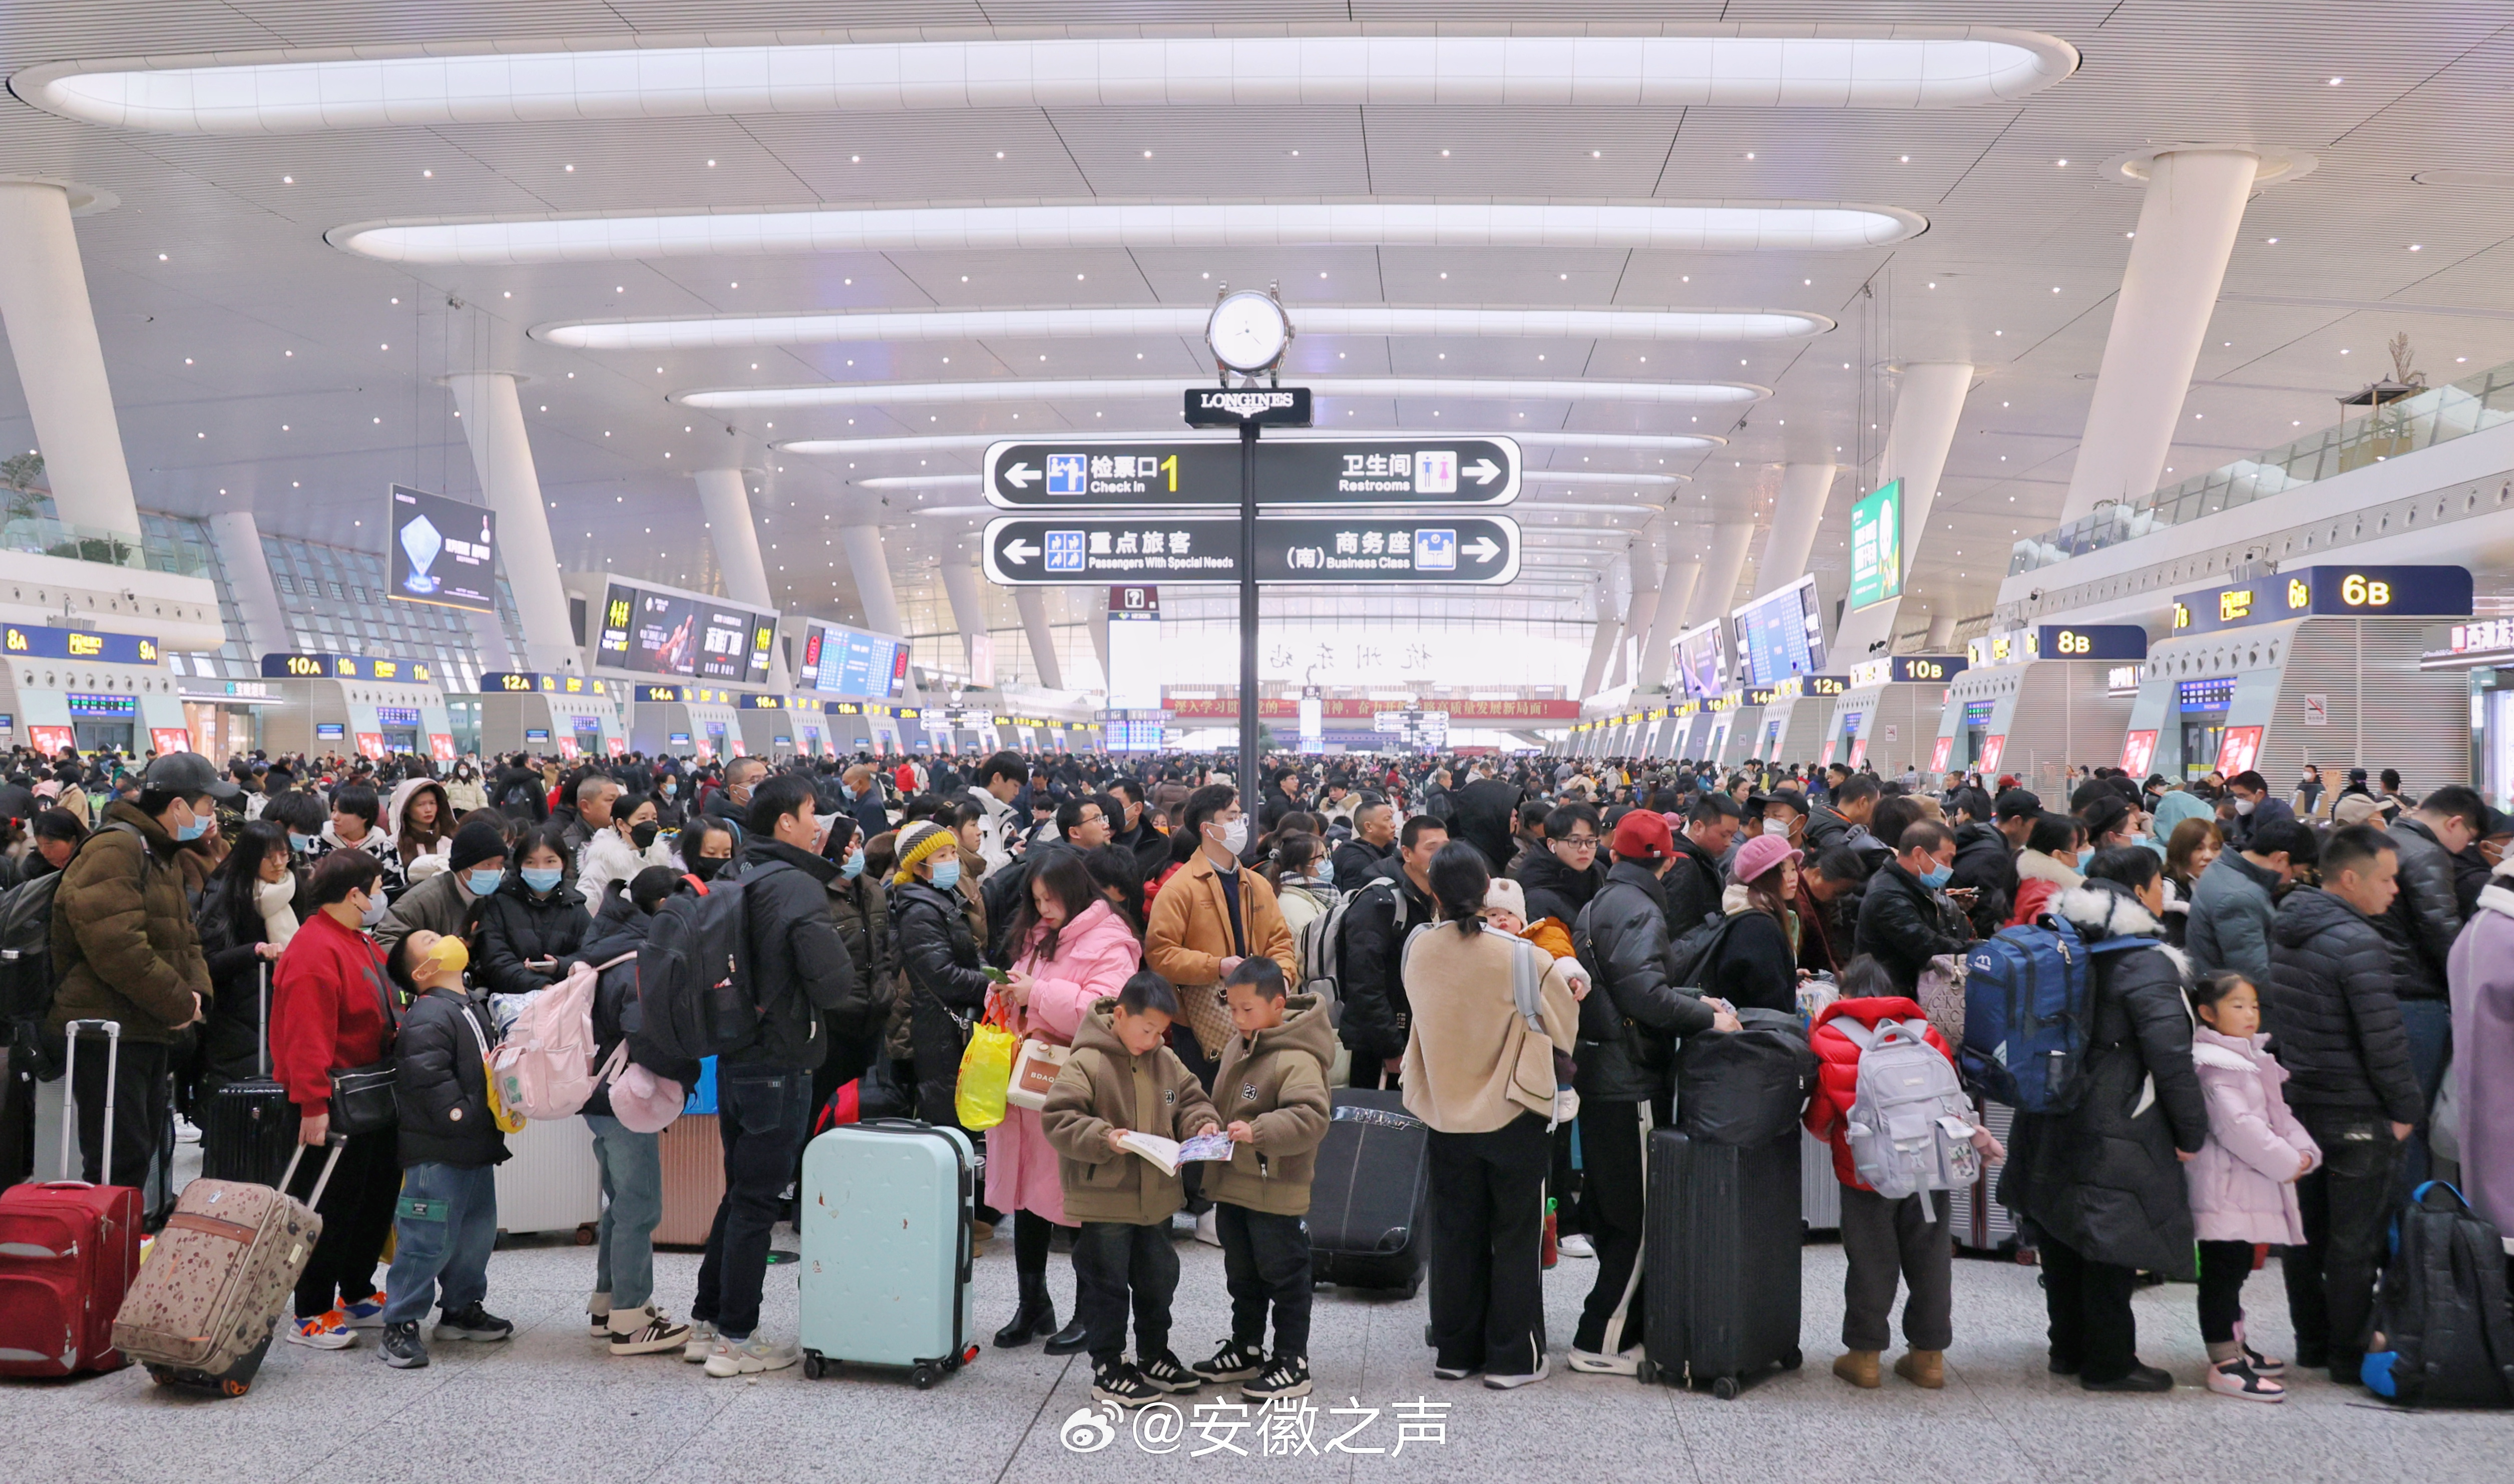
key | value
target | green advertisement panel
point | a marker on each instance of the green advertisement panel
(1877, 546)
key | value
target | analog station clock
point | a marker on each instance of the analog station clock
(1248, 331)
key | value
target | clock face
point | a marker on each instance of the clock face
(1247, 331)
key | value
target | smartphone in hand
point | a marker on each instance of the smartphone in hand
(996, 975)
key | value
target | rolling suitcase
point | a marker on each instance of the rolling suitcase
(692, 1151)
(1719, 1260)
(552, 1180)
(1370, 1194)
(887, 1218)
(68, 1250)
(1975, 1218)
(1819, 1189)
(205, 1307)
(249, 1127)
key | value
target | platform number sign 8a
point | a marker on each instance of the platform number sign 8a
(1065, 551)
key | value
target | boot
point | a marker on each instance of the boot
(1859, 1368)
(1926, 1369)
(1069, 1339)
(1032, 1317)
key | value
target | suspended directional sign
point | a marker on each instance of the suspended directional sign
(1347, 471)
(1150, 547)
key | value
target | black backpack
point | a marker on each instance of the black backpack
(2441, 1327)
(694, 994)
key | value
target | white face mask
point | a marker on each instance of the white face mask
(2245, 806)
(1235, 835)
(1776, 827)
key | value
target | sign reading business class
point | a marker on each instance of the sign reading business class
(2347, 592)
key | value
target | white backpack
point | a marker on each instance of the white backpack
(1909, 1125)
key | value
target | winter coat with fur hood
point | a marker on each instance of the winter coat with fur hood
(2243, 1184)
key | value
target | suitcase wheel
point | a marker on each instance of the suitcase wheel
(1725, 1387)
(162, 1376)
(585, 1234)
(234, 1387)
(812, 1367)
(1793, 1359)
(924, 1375)
(1646, 1373)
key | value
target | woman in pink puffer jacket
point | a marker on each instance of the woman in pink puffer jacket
(2243, 1181)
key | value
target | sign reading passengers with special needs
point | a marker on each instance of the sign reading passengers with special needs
(1178, 471)
(1150, 548)
(441, 551)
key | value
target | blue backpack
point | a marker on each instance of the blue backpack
(2026, 993)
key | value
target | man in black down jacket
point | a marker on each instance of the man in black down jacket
(1629, 1023)
(798, 971)
(1563, 872)
(2427, 917)
(1693, 883)
(450, 1151)
(1986, 851)
(1374, 840)
(1370, 958)
(2334, 1016)
(1903, 920)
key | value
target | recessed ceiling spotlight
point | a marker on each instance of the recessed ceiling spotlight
(2059, 162)
(2414, 247)
(428, 175)
(2336, 81)
(711, 164)
(571, 170)
(2273, 240)
(287, 180)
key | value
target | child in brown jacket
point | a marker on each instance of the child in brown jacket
(1272, 1085)
(1123, 1077)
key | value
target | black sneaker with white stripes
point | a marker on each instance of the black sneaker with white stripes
(1233, 1362)
(1121, 1384)
(1285, 1375)
(1165, 1371)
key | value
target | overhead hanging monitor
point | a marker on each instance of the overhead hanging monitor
(652, 632)
(1780, 634)
(847, 662)
(441, 551)
(1877, 546)
(1702, 661)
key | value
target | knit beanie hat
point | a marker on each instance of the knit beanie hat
(476, 841)
(921, 841)
(1503, 893)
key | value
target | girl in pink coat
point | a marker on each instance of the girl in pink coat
(2243, 1181)
(1075, 950)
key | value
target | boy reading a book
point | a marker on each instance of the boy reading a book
(1123, 1077)
(1273, 1087)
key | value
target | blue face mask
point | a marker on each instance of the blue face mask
(1326, 872)
(853, 865)
(542, 878)
(2085, 858)
(946, 875)
(485, 880)
(299, 843)
(670, 788)
(194, 830)
(1939, 877)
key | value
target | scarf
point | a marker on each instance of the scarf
(276, 901)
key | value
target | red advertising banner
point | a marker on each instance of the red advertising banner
(440, 747)
(1349, 708)
(1858, 750)
(1826, 761)
(567, 747)
(52, 742)
(619, 745)
(1939, 754)
(371, 745)
(737, 745)
(2138, 750)
(169, 739)
(2236, 754)
(1991, 748)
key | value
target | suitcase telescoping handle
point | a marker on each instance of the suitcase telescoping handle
(261, 1047)
(337, 1141)
(69, 1102)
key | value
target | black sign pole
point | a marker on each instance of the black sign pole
(1248, 760)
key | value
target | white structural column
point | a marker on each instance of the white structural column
(1927, 409)
(724, 497)
(1033, 605)
(492, 420)
(1941, 634)
(2186, 232)
(1795, 513)
(1100, 633)
(1640, 602)
(238, 539)
(1602, 644)
(968, 608)
(1675, 588)
(60, 366)
(1722, 566)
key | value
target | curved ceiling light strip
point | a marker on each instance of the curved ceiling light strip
(304, 91)
(1561, 225)
(1042, 389)
(958, 442)
(1113, 322)
(1527, 477)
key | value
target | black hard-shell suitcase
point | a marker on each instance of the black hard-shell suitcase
(249, 1127)
(1719, 1261)
(1370, 1194)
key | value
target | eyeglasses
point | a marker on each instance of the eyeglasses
(1579, 842)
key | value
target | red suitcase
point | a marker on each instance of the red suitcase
(68, 1250)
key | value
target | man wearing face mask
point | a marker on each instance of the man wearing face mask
(2254, 807)
(477, 864)
(125, 949)
(1904, 920)
(1210, 915)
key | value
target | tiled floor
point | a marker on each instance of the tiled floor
(549, 1406)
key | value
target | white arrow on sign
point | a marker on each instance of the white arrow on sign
(1018, 551)
(1483, 549)
(1485, 470)
(1019, 475)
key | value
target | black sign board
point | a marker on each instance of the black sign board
(1350, 471)
(1237, 406)
(1151, 547)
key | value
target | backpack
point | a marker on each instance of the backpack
(1319, 952)
(544, 1067)
(2026, 1009)
(2441, 1329)
(1689, 957)
(516, 801)
(1909, 1125)
(26, 948)
(694, 995)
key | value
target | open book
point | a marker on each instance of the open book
(1168, 1155)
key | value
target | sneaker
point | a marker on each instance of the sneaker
(1209, 1228)
(324, 1331)
(1576, 1245)
(367, 1314)
(1233, 1362)
(471, 1323)
(597, 1310)
(1454, 1373)
(1165, 1371)
(2236, 1377)
(700, 1343)
(749, 1357)
(1287, 1376)
(186, 1130)
(2141, 1379)
(1513, 1382)
(402, 1346)
(646, 1331)
(1628, 1363)
(1121, 1385)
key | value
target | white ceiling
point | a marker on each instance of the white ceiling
(247, 277)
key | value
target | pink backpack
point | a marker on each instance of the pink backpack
(545, 1066)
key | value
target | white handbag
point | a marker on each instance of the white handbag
(1035, 1064)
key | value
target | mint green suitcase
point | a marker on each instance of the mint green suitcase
(886, 1215)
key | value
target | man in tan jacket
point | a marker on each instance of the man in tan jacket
(1209, 915)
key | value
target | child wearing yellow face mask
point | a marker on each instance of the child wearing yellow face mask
(447, 1218)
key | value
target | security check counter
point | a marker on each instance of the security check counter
(2039, 702)
(1794, 722)
(700, 721)
(1890, 711)
(569, 716)
(2313, 664)
(374, 707)
(83, 688)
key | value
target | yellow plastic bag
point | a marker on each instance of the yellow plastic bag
(986, 1072)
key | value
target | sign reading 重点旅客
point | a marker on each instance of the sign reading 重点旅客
(1347, 471)
(1111, 546)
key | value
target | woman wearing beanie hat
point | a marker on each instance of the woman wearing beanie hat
(1756, 962)
(938, 957)
(476, 863)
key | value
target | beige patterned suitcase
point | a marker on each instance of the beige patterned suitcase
(208, 1300)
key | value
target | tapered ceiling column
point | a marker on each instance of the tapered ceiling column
(1927, 409)
(61, 364)
(502, 455)
(724, 497)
